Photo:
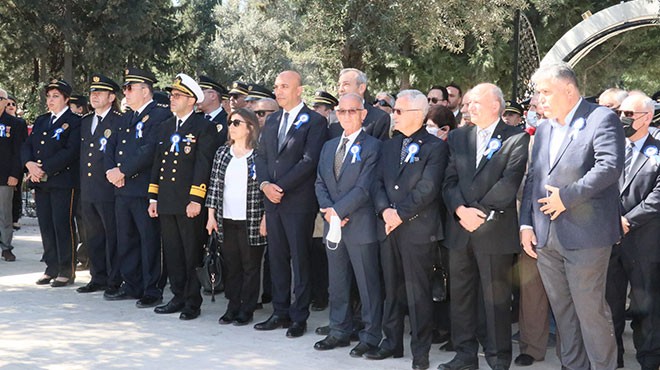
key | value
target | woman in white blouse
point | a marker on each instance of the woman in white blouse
(236, 212)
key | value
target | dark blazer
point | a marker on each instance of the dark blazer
(376, 124)
(219, 123)
(413, 189)
(134, 154)
(294, 167)
(491, 187)
(640, 203)
(94, 186)
(13, 133)
(586, 171)
(58, 157)
(178, 178)
(350, 194)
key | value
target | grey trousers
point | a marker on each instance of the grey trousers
(574, 281)
(6, 230)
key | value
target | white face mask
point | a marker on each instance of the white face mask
(532, 118)
(334, 232)
(432, 130)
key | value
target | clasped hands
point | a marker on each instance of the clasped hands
(392, 220)
(116, 177)
(329, 212)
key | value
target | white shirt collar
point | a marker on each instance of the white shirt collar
(58, 115)
(139, 111)
(185, 118)
(214, 113)
(569, 117)
(102, 115)
(638, 143)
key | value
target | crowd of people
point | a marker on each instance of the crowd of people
(545, 212)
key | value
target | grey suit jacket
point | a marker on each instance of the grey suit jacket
(586, 171)
(349, 194)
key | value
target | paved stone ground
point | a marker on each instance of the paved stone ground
(48, 328)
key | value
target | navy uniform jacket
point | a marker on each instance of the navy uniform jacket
(56, 148)
(134, 154)
(640, 203)
(294, 167)
(219, 123)
(13, 133)
(412, 188)
(350, 194)
(376, 124)
(180, 177)
(491, 187)
(94, 186)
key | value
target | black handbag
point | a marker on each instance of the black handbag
(210, 273)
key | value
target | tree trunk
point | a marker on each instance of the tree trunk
(406, 52)
(68, 50)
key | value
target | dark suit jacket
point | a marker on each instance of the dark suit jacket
(376, 124)
(94, 186)
(640, 204)
(413, 189)
(294, 167)
(134, 155)
(350, 194)
(59, 158)
(11, 139)
(178, 178)
(491, 187)
(586, 171)
(219, 123)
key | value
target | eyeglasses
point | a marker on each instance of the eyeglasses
(399, 112)
(262, 113)
(628, 113)
(382, 103)
(235, 96)
(131, 86)
(350, 112)
(435, 100)
(11, 104)
(236, 122)
(178, 96)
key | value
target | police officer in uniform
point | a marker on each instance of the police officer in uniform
(177, 191)
(97, 194)
(51, 156)
(237, 95)
(212, 108)
(128, 160)
(257, 92)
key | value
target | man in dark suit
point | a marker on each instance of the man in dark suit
(570, 214)
(407, 198)
(286, 162)
(211, 106)
(636, 259)
(377, 122)
(486, 166)
(454, 100)
(128, 160)
(180, 174)
(12, 134)
(343, 187)
(97, 193)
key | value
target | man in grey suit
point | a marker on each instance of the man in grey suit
(570, 214)
(345, 175)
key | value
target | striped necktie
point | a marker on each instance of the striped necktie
(628, 162)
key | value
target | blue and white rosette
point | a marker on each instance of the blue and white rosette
(253, 172)
(103, 143)
(304, 118)
(577, 126)
(138, 130)
(57, 134)
(355, 150)
(651, 151)
(412, 149)
(3, 130)
(175, 139)
(493, 146)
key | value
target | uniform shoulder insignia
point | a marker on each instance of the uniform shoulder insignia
(88, 114)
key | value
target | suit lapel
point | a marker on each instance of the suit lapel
(580, 113)
(349, 155)
(498, 133)
(293, 128)
(637, 165)
(415, 139)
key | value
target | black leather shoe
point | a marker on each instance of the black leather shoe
(8, 256)
(440, 337)
(243, 318)
(524, 359)
(320, 306)
(90, 288)
(169, 307)
(273, 322)
(361, 349)
(117, 295)
(381, 354)
(189, 314)
(331, 342)
(148, 301)
(297, 329)
(266, 298)
(227, 318)
(448, 347)
(323, 330)
(44, 280)
(420, 363)
(459, 364)
(59, 282)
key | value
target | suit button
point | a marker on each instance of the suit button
(91, 145)
(43, 142)
(89, 165)
(118, 164)
(128, 130)
(89, 155)
(38, 151)
(163, 161)
(161, 177)
(176, 153)
(173, 179)
(173, 170)
(175, 161)
(89, 174)
(123, 141)
(44, 134)
(121, 153)
(38, 160)
(165, 153)
(396, 187)
(162, 169)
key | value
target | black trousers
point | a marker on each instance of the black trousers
(441, 319)
(407, 273)
(183, 240)
(319, 276)
(469, 270)
(139, 247)
(55, 214)
(242, 267)
(289, 244)
(101, 240)
(17, 200)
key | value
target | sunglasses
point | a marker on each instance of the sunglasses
(435, 100)
(382, 103)
(399, 112)
(11, 104)
(628, 113)
(262, 113)
(236, 122)
(350, 112)
(130, 87)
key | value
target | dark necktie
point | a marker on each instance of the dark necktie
(95, 124)
(178, 124)
(404, 149)
(281, 135)
(339, 156)
(136, 116)
(628, 162)
(208, 117)
(52, 120)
